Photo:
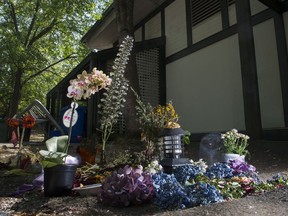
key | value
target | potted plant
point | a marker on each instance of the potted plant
(234, 146)
(59, 167)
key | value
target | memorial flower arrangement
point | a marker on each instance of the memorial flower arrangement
(116, 86)
(167, 116)
(153, 120)
(235, 142)
(189, 186)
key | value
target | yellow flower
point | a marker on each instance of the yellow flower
(173, 125)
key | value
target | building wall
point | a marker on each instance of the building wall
(206, 86)
(175, 27)
(232, 14)
(205, 90)
(153, 27)
(268, 75)
(138, 35)
(207, 28)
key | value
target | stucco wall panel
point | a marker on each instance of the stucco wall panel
(268, 75)
(206, 28)
(175, 27)
(206, 88)
(232, 14)
(138, 34)
(153, 27)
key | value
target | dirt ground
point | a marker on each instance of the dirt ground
(268, 157)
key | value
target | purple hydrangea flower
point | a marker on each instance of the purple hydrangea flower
(241, 166)
(127, 186)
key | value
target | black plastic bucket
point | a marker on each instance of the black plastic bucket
(58, 180)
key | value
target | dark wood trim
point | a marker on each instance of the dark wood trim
(188, 23)
(248, 70)
(163, 23)
(91, 103)
(48, 102)
(285, 6)
(276, 134)
(274, 5)
(53, 105)
(143, 33)
(162, 75)
(283, 61)
(263, 16)
(148, 44)
(224, 13)
(202, 44)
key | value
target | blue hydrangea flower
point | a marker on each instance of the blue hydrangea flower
(219, 170)
(168, 192)
(278, 178)
(186, 172)
(203, 193)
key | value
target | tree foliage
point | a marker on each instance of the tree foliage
(40, 43)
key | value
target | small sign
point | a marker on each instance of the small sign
(67, 118)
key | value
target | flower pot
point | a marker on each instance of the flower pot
(59, 179)
(229, 156)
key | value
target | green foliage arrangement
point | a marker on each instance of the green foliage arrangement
(56, 153)
(153, 120)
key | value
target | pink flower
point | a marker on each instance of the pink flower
(74, 93)
(86, 84)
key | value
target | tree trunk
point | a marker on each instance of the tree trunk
(15, 98)
(124, 13)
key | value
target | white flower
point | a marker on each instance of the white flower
(154, 163)
(86, 84)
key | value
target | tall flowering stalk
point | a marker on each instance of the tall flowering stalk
(114, 98)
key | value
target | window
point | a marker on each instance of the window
(201, 10)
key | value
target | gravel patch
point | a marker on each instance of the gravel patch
(269, 158)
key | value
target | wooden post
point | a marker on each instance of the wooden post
(248, 70)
